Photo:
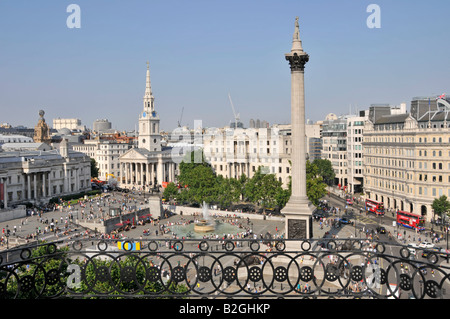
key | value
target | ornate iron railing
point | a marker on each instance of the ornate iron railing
(247, 268)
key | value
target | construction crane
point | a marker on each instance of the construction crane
(236, 116)
(181, 116)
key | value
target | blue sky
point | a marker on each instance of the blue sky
(201, 50)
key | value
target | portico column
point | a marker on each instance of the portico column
(147, 174)
(44, 193)
(170, 173)
(50, 186)
(5, 192)
(35, 185)
(29, 186)
(160, 170)
(120, 173)
(152, 174)
(69, 180)
(137, 173)
(130, 174)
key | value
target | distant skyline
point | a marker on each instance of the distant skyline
(202, 50)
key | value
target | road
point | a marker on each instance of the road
(423, 278)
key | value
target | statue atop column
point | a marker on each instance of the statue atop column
(297, 30)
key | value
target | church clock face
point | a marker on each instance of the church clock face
(144, 114)
(153, 113)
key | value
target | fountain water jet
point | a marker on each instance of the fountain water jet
(204, 225)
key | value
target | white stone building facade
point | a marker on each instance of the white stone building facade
(37, 176)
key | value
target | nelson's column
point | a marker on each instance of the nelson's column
(298, 210)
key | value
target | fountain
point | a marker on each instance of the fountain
(204, 225)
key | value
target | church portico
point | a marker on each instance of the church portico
(151, 171)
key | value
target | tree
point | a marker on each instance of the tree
(94, 168)
(325, 169)
(282, 197)
(198, 178)
(262, 189)
(315, 187)
(171, 191)
(239, 185)
(441, 206)
(225, 192)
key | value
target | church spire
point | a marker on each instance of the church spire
(148, 96)
(148, 85)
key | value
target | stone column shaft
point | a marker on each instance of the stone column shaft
(298, 136)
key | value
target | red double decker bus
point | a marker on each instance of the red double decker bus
(410, 220)
(374, 207)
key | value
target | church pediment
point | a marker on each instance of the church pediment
(134, 154)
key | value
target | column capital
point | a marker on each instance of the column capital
(297, 62)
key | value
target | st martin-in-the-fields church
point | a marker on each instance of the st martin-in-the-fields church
(149, 165)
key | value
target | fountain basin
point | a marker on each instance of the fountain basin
(204, 226)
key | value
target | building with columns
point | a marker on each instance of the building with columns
(37, 176)
(236, 152)
(150, 164)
